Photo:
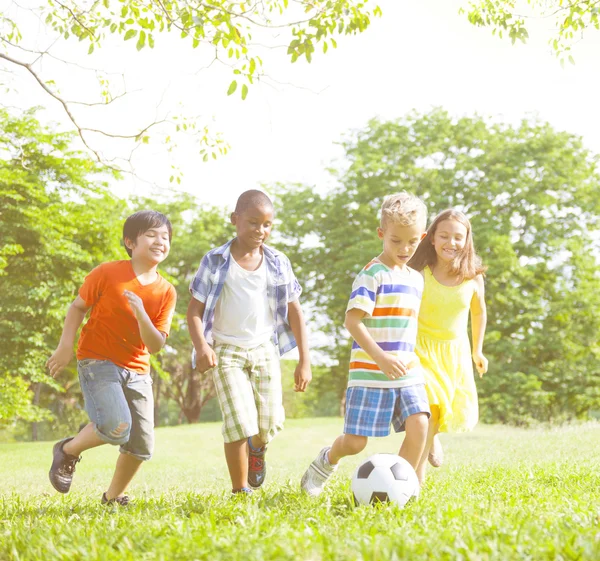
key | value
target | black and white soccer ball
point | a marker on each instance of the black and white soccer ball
(385, 478)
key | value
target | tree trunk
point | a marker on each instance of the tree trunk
(36, 401)
(157, 396)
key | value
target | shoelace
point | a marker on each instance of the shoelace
(69, 466)
(256, 464)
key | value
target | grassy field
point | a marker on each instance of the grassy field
(503, 494)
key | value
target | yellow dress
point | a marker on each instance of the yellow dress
(445, 352)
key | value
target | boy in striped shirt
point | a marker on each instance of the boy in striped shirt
(386, 384)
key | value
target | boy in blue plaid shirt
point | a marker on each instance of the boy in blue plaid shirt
(244, 313)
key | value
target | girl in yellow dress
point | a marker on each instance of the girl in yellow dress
(453, 276)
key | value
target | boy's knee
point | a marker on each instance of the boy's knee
(355, 443)
(115, 432)
(418, 423)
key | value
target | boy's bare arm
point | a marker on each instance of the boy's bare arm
(388, 363)
(303, 373)
(152, 337)
(64, 352)
(205, 355)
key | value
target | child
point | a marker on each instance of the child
(243, 314)
(132, 307)
(453, 276)
(386, 384)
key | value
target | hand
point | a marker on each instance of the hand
(302, 377)
(205, 359)
(392, 366)
(136, 304)
(59, 359)
(481, 363)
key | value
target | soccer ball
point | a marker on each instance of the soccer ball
(384, 478)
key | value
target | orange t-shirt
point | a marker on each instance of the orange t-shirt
(112, 332)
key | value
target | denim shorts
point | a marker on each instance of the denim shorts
(370, 411)
(121, 405)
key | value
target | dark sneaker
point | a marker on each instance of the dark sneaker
(121, 501)
(63, 467)
(257, 466)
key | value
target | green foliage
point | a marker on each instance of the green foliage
(56, 222)
(531, 194)
(314, 402)
(504, 493)
(229, 27)
(570, 20)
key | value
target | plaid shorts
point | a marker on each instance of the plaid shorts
(369, 411)
(248, 384)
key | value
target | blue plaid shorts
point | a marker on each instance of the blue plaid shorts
(370, 411)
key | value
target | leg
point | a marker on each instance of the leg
(411, 413)
(432, 431)
(140, 446)
(240, 418)
(83, 440)
(415, 438)
(436, 452)
(346, 445)
(326, 463)
(127, 467)
(101, 384)
(368, 413)
(236, 455)
(265, 377)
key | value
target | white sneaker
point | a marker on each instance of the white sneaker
(318, 472)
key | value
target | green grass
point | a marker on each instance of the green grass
(503, 494)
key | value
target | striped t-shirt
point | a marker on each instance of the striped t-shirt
(391, 299)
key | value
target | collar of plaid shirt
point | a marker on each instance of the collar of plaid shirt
(279, 279)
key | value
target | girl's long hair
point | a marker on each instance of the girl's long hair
(466, 265)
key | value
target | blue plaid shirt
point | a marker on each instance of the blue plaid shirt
(282, 288)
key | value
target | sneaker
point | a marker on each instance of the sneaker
(242, 491)
(121, 501)
(318, 472)
(257, 466)
(63, 467)
(436, 454)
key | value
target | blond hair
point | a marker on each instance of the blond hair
(403, 209)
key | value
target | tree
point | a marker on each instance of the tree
(571, 19)
(532, 195)
(57, 220)
(237, 32)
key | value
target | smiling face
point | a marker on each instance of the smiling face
(253, 225)
(449, 240)
(151, 246)
(399, 243)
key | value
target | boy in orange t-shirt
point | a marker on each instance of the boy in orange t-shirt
(131, 311)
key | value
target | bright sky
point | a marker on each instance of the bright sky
(417, 56)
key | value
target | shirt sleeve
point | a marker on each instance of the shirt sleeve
(201, 283)
(162, 321)
(92, 286)
(293, 286)
(364, 293)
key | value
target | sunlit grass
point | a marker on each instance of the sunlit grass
(502, 494)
